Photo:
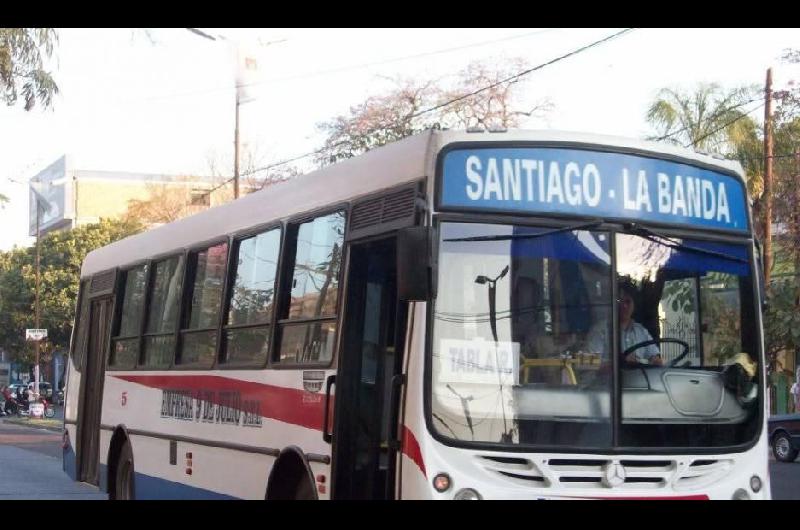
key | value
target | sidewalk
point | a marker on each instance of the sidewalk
(51, 424)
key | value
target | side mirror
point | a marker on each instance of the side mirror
(414, 264)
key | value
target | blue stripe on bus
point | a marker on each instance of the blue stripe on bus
(153, 488)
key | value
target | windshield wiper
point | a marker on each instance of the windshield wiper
(661, 239)
(582, 226)
(465, 406)
(445, 424)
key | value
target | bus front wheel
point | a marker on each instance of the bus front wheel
(123, 481)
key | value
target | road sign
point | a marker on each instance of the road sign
(36, 410)
(35, 334)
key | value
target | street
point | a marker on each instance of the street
(30, 460)
(785, 480)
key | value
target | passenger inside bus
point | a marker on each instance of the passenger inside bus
(632, 332)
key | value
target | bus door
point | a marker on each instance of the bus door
(368, 382)
(91, 390)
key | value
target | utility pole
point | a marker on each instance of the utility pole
(38, 342)
(236, 149)
(768, 179)
(238, 86)
(796, 228)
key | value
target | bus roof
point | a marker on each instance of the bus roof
(391, 165)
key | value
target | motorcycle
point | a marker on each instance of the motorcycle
(20, 407)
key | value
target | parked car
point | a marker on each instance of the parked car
(16, 388)
(45, 389)
(784, 436)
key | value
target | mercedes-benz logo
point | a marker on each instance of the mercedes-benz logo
(613, 475)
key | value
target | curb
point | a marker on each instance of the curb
(26, 422)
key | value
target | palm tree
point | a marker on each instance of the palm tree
(707, 119)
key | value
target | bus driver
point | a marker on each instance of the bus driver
(632, 332)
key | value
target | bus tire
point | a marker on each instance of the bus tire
(304, 491)
(291, 478)
(124, 475)
(782, 448)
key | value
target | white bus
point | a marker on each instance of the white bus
(457, 315)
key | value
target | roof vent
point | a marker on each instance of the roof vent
(498, 129)
(476, 129)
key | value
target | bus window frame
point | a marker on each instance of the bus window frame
(613, 228)
(235, 240)
(84, 284)
(285, 293)
(187, 292)
(119, 299)
(148, 298)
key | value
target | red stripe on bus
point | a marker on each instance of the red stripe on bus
(412, 450)
(288, 405)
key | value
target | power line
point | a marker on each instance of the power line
(523, 73)
(336, 70)
(450, 102)
(744, 115)
(713, 117)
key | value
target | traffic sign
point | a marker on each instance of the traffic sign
(36, 410)
(35, 334)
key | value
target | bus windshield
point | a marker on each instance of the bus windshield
(523, 337)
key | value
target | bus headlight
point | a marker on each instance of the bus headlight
(467, 494)
(741, 495)
(441, 482)
(755, 483)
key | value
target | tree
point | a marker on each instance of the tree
(62, 254)
(713, 119)
(709, 118)
(479, 96)
(22, 54)
(254, 171)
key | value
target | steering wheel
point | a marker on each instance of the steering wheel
(642, 344)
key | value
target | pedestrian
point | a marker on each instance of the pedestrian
(795, 391)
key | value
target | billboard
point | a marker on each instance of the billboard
(53, 189)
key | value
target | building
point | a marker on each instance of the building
(71, 197)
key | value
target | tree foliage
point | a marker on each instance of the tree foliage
(709, 118)
(61, 256)
(478, 97)
(22, 69)
(713, 119)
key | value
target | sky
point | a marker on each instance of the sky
(162, 100)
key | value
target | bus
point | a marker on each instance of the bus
(456, 315)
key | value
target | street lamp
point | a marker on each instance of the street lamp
(240, 84)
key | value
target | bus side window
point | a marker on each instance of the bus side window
(206, 279)
(248, 324)
(308, 324)
(124, 352)
(82, 323)
(164, 299)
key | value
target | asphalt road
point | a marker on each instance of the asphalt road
(30, 460)
(785, 480)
